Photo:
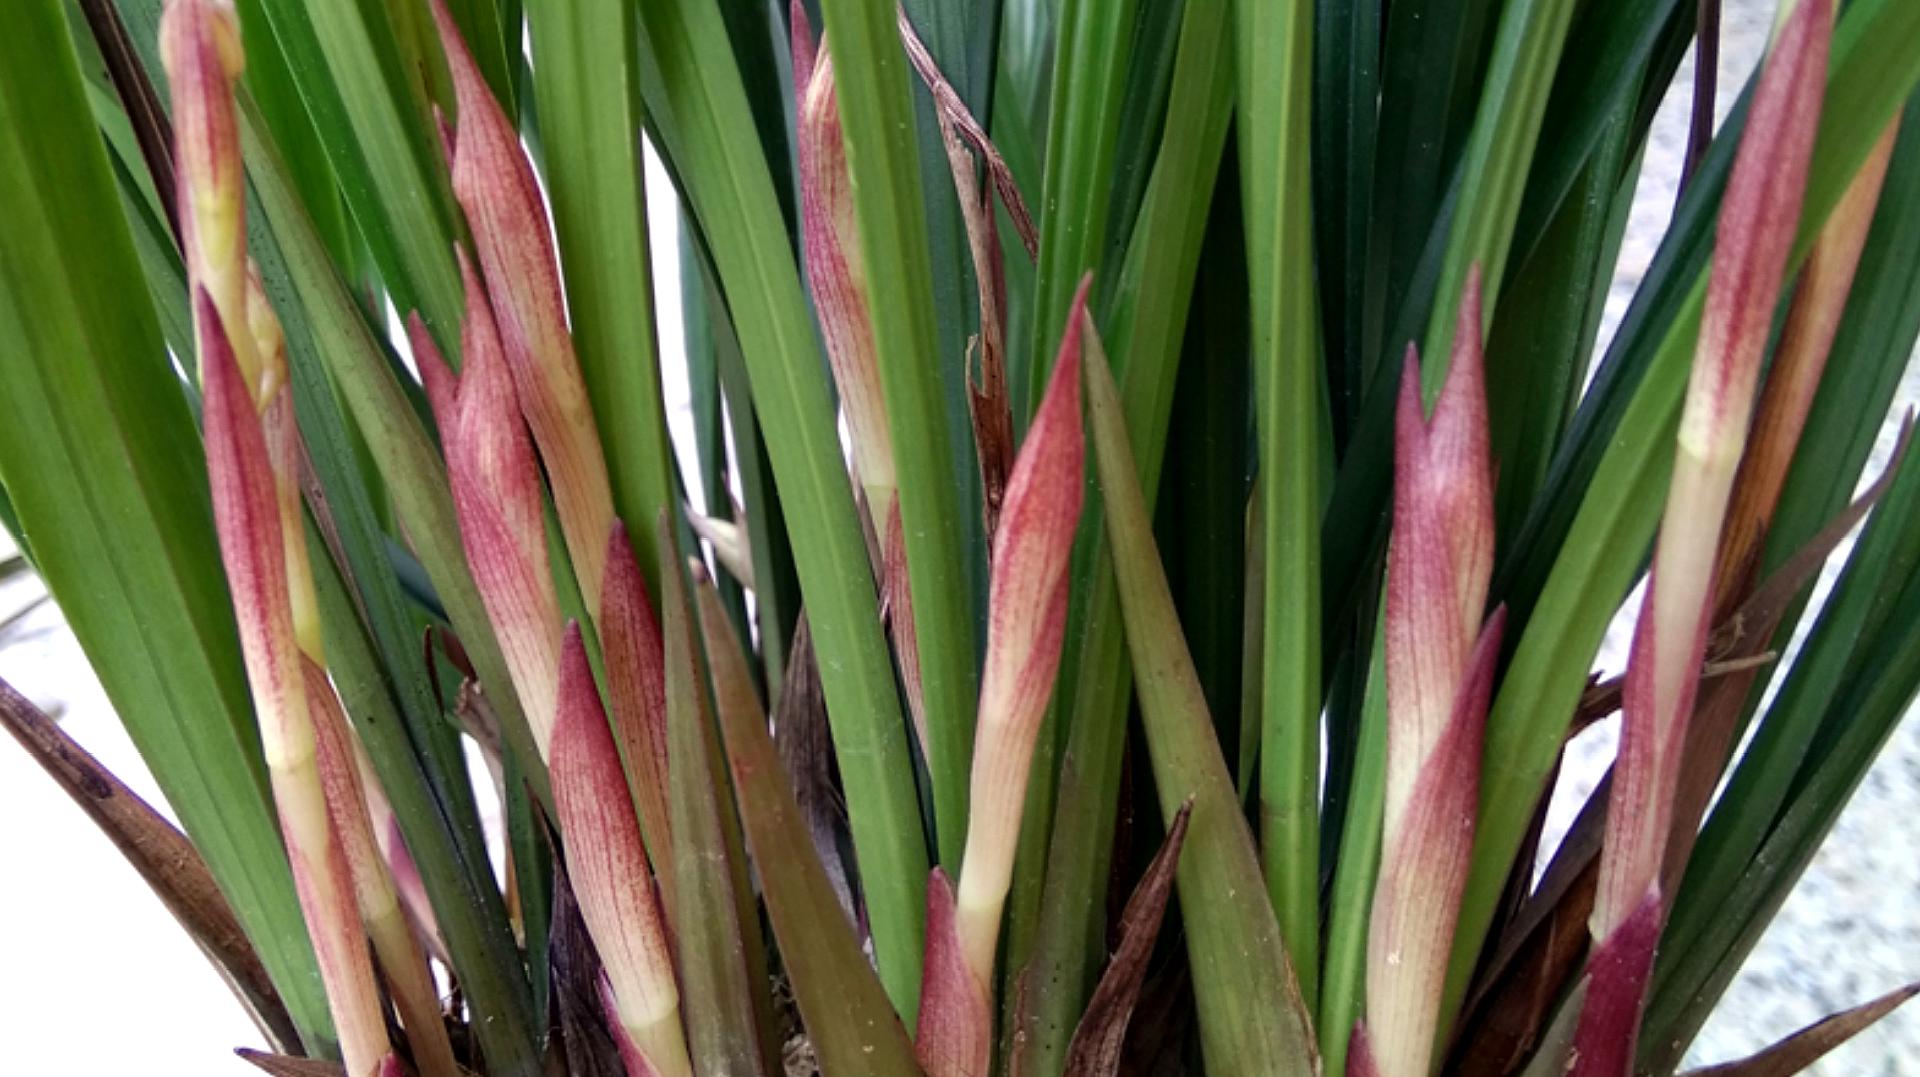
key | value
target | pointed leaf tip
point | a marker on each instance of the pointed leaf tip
(1759, 215)
(1807, 1046)
(804, 48)
(435, 375)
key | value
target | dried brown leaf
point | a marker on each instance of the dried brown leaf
(1805, 1047)
(1096, 1047)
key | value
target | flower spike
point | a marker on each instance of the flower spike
(837, 277)
(1758, 219)
(252, 448)
(1026, 619)
(607, 861)
(495, 186)
(836, 271)
(1440, 666)
(497, 497)
(247, 519)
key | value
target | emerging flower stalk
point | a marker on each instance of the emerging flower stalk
(495, 186)
(1754, 239)
(1439, 662)
(1026, 619)
(837, 274)
(248, 520)
(607, 863)
(836, 270)
(252, 449)
(200, 48)
(497, 496)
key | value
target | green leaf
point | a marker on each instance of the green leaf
(1540, 344)
(1499, 154)
(723, 973)
(1617, 64)
(1346, 121)
(1090, 62)
(101, 462)
(883, 163)
(1429, 81)
(1143, 112)
(1343, 991)
(271, 81)
(708, 131)
(1056, 914)
(1201, 513)
(1275, 59)
(590, 129)
(852, 1027)
(1252, 1016)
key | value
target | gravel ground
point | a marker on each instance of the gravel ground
(1850, 931)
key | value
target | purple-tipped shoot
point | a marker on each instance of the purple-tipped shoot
(1440, 667)
(1026, 619)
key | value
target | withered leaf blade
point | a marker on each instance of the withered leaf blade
(291, 1065)
(1807, 1046)
(1097, 1042)
(162, 855)
(954, 111)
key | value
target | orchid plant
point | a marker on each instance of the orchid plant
(1245, 534)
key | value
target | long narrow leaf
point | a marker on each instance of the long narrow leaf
(848, 1018)
(1252, 1016)
(1275, 51)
